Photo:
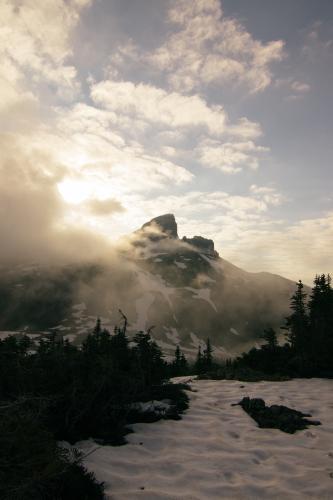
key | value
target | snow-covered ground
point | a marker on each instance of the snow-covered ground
(217, 451)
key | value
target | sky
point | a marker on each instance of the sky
(113, 112)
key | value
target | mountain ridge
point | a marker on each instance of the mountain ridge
(182, 286)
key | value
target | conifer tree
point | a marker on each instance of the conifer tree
(177, 356)
(297, 324)
(179, 364)
(183, 364)
(98, 327)
(321, 319)
(270, 337)
(208, 355)
(119, 345)
(198, 366)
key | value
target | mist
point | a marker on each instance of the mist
(33, 225)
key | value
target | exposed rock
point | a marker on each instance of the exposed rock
(164, 226)
(205, 245)
(276, 416)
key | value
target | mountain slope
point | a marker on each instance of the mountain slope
(182, 286)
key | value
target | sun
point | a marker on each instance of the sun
(73, 191)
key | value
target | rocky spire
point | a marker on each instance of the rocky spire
(166, 223)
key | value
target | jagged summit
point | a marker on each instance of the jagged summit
(166, 223)
(165, 227)
(204, 245)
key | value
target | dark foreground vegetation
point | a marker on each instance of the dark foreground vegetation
(307, 352)
(55, 391)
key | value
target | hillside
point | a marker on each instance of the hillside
(181, 286)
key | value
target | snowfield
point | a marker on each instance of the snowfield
(217, 451)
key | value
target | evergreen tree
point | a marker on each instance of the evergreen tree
(98, 327)
(179, 365)
(297, 324)
(198, 366)
(270, 337)
(149, 357)
(119, 345)
(183, 365)
(177, 356)
(321, 319)
(208, 356)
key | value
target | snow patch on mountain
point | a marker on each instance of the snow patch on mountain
(234, 331)
(181, 265)
(203, 294)
(142, 306)
(173, 335)
(155, 284)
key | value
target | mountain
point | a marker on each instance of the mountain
(180, 285)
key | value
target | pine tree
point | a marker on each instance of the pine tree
(321, 319)
(198, 366)
(297, 324)
(208, 356)
(270, 337)
(149, 357)
(119, 345)
(177, 356)
(98, 327)
(183, 365)
(179, 364)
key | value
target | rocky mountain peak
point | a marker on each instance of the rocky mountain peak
(166, 223)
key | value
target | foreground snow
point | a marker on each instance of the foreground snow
(217, 451)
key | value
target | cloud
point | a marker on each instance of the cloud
(294, 250)
(32, 214)
(155, 113)
(208, 48)
(35, 46)
(156, 106)
(230, 157)
(268, 194)
(300, 86)
(317, 46)
(102, 208)
(210, 204)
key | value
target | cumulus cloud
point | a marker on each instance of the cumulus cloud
(152, 111)
(35, 46)
(210, 204)
(206, 48)
(156, 106)
(268, 194)
(230, 157)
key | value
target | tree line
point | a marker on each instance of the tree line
(308, 347)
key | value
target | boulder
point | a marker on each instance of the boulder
(276, 416)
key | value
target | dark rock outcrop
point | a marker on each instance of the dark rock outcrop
(204, 245)
(276, 416)
(165, 225)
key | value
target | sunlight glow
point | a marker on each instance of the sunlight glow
(74, 191)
